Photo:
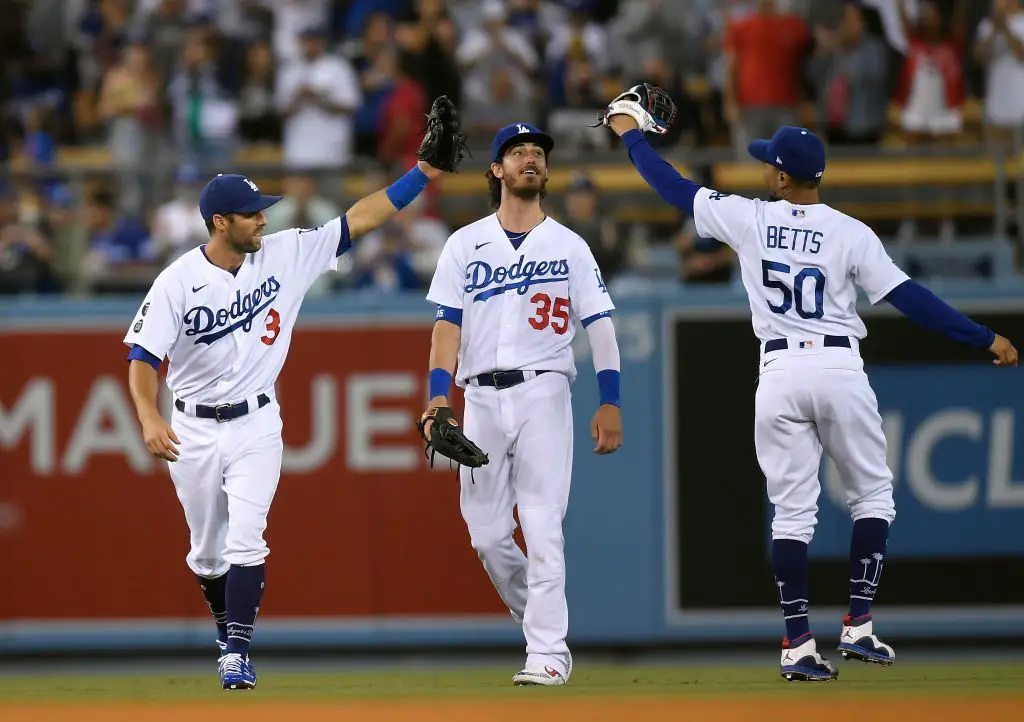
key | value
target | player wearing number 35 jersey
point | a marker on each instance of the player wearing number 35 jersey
(505, 288)
(801, 263)
(223, 314)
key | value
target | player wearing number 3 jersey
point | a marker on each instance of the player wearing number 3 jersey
(505, 288)
(223, 315)
(801, 264)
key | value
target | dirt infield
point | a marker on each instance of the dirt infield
(647, 709)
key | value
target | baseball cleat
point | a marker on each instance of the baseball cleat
(857, 641)
(236, 672)
(538, 675)
(802, 663)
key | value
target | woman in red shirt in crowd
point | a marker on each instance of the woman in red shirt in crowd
(931, 89)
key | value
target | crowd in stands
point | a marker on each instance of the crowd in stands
(194, 85)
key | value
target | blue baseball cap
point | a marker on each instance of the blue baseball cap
(519, 133)
(794, 150)
(232, 194)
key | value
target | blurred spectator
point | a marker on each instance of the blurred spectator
(301, 207)
(425, 236)
(703, 260)
(401, 116)
(850, 68)
(102, 31)
(585, 217)
(258, 120)
(375, 64)
(658, 72)
(427, 31)
(129, 107)
(579, 39)
(706, 38)
(164, 24)
(359, 13)
(317, 95)
(931, 91)
(291, 18)
(497, 62)
(62, 225)
(121, 254)
(1000, 48)
(655, 29)
(385, 263)
(764, 56)
(177, 224)
(205, 117)
(26, 256)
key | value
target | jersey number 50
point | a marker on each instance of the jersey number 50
(797, 291)
(550, 312)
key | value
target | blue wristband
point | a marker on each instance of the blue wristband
(404, 190)
(608, 386)
(440, 382)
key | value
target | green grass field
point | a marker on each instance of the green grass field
(495, 683)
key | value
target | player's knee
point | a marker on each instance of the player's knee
(207, 565)
(794, 524)
(490, 540)
(245, 547)
(876, 505)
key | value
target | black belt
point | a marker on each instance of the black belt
(503, 379)
(780, 344)
(223, 412)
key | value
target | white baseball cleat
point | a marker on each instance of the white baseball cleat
(803, 663)
(538, 675)
(857, 641)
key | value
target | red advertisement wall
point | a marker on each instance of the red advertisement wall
(90, 526)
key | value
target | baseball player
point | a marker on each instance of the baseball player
(223, 315)
(801, 263)
(505, 289)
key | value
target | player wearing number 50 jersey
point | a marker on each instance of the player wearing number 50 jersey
(801, 263)
(505, 289)
(223, 314)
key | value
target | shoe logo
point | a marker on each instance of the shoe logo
(788, 657)
(771, 360)
(551, 673)
(197, 289)
(481, 245)
(848, 634)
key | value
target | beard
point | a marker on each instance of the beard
(526, 190)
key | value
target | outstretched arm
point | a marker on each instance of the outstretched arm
(375, 209)
(674, 189)
(929, 311)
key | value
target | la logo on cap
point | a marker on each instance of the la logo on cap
(251, 185)
(522, 129)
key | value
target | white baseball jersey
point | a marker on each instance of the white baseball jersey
(800, 265)
(516, 303)
(226, 335)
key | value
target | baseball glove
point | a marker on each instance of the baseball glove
(650, 106)
(444, 143)
(446, 438)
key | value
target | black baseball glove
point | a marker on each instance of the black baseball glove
(650, 106)
(446, 438)
(444, 144)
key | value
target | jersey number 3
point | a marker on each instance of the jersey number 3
(550, 312)
(797, 291)
(273, 327)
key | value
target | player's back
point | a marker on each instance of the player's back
(800, 264)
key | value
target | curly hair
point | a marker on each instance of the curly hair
(494, 190)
